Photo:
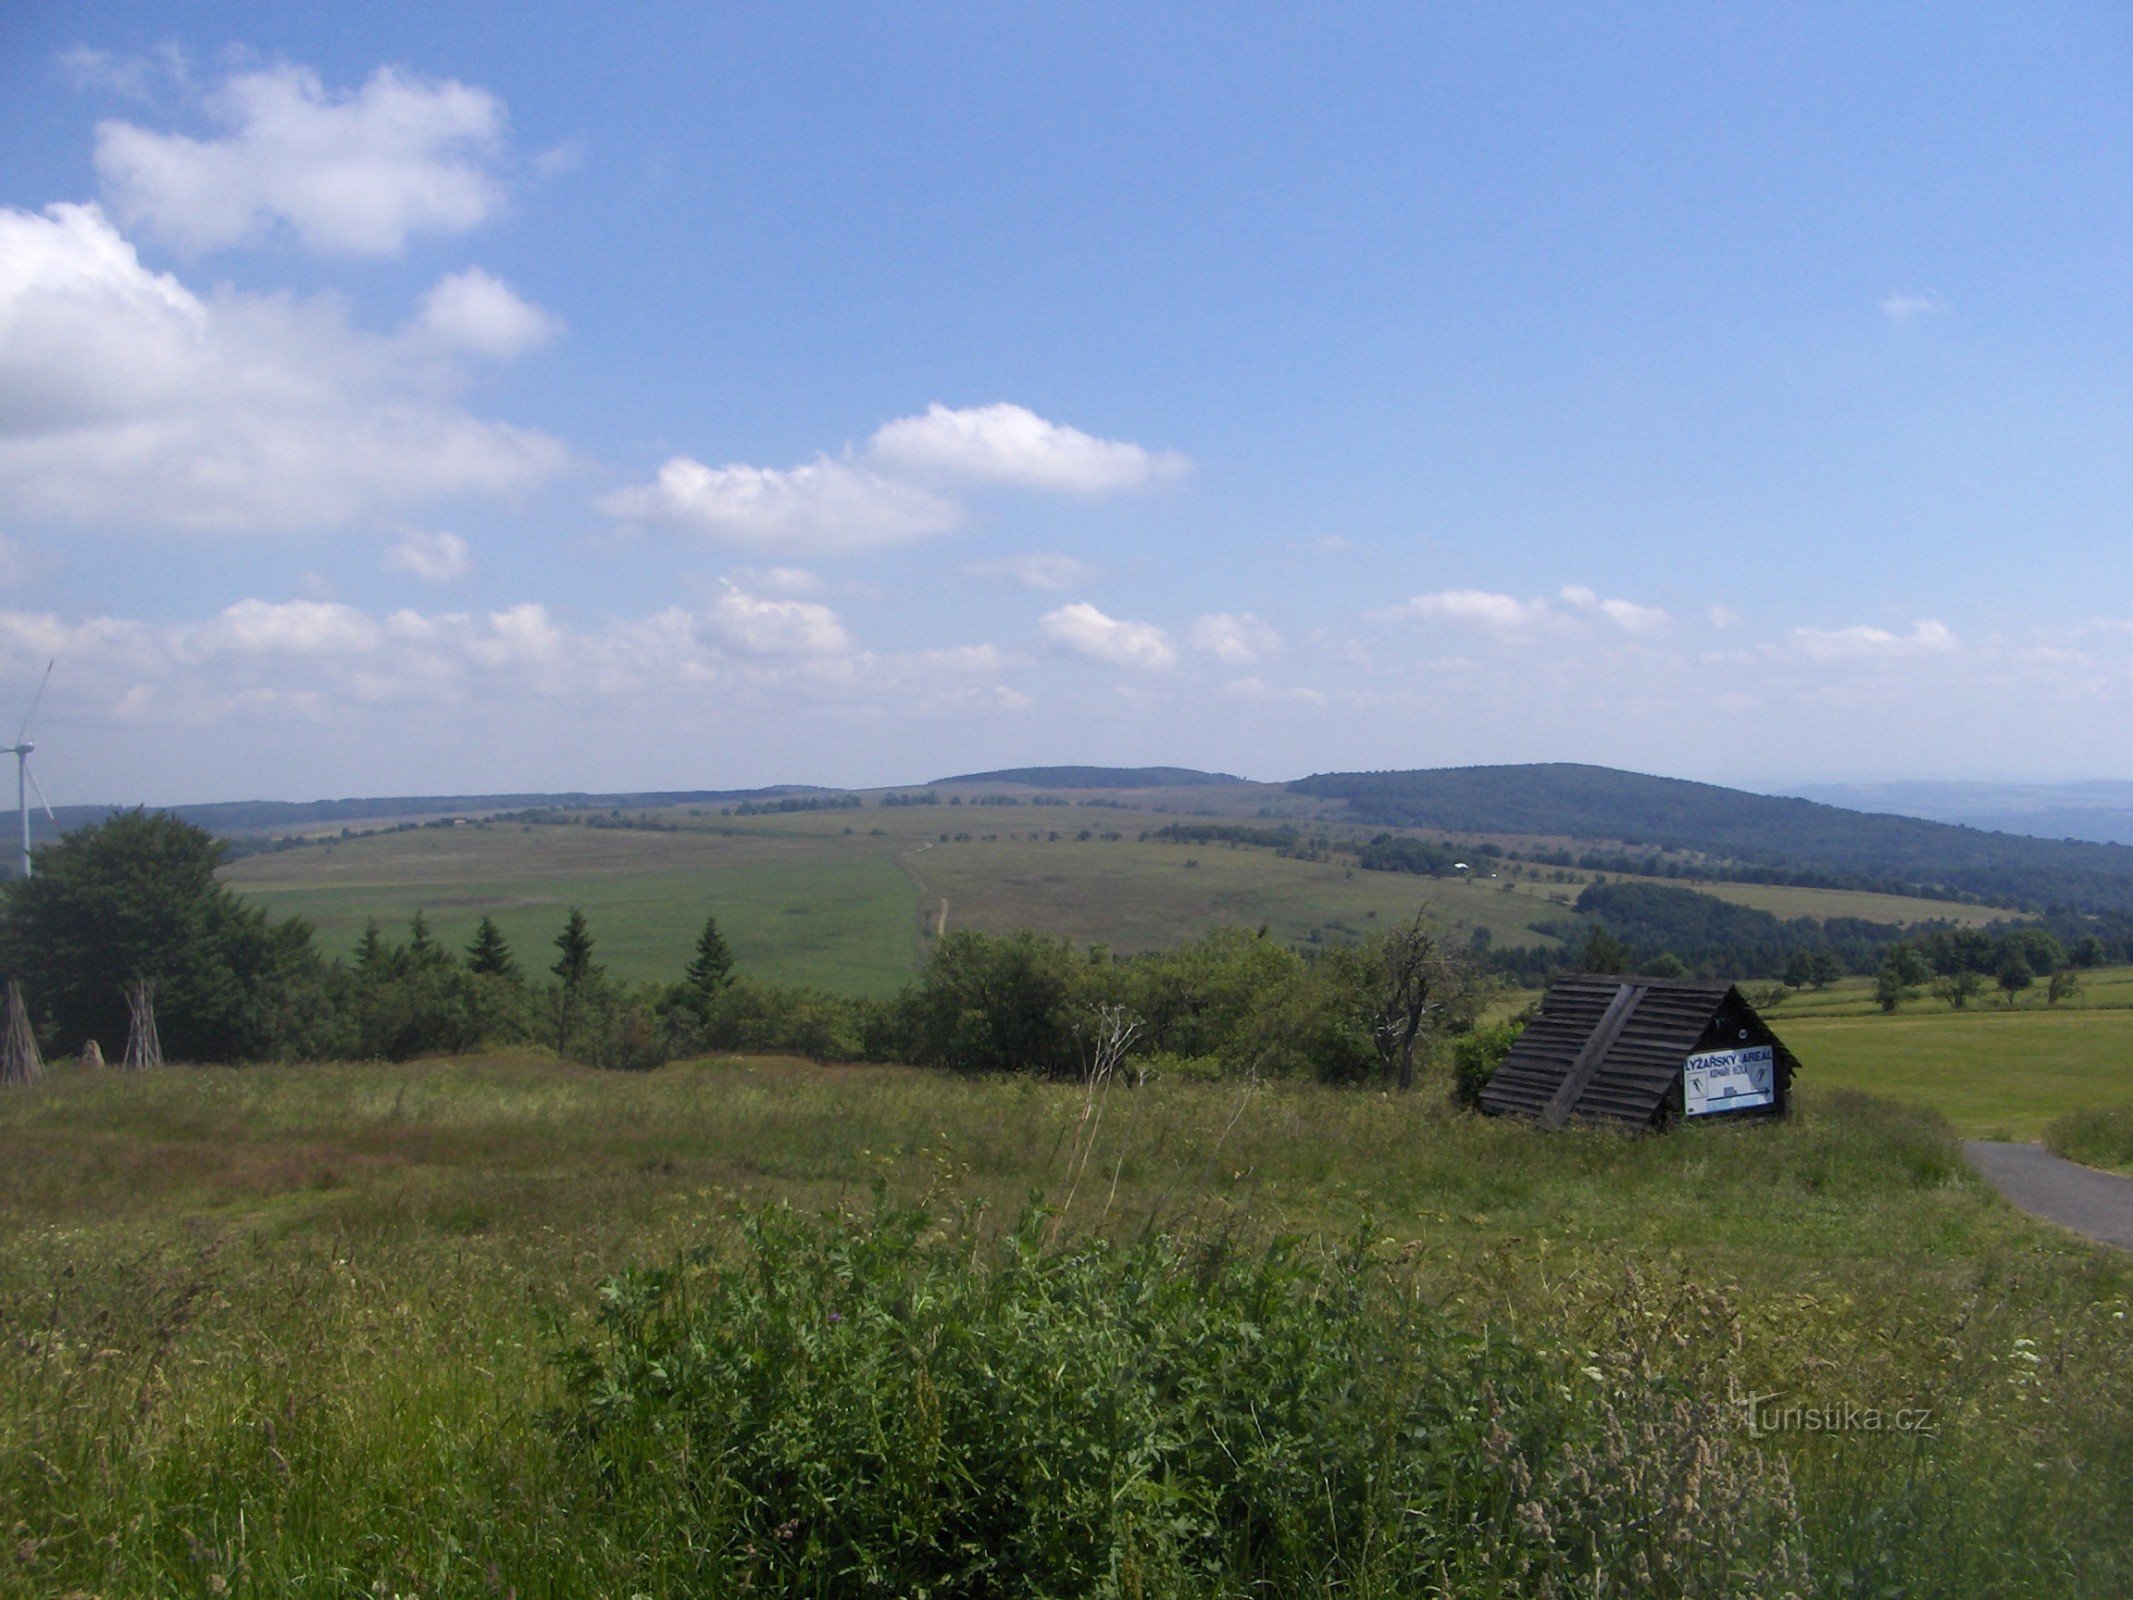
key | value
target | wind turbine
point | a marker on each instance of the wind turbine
(25, 780)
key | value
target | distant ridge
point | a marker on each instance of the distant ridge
(1099, 777)
(258, 816)
(2101, 810)
(1795, 836)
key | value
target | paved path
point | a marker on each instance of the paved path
(2098, 1205)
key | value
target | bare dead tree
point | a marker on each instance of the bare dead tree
(1420, 982)
(20, 1060)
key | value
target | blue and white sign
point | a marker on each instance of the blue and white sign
(1729, 1080)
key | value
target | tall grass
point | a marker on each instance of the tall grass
(341, 1330)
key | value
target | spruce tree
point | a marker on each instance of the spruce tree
(712, 970)
(576, 971)
(370, 949)
(421, 948)
(490, 953)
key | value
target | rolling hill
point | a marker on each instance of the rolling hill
(1800, 837)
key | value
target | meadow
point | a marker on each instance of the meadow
(308, 1329)
(848, 899)
(1994, 1071)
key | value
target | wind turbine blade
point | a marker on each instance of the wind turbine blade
(39, 695)
(41, 800)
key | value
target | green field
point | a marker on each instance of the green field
(1992, 1073)
(794, 907)
(845, 899)
(293, 1329)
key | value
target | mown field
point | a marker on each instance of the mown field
(846, 899)
(296, 1330)
(1993, 1070)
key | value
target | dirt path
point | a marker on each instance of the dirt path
(2097, 1205)
(925, 890)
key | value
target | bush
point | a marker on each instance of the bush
(1476, 1056)
(891, 1405)
(2093, 1138)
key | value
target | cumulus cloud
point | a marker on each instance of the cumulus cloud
(1087, 631)
(1038, 570)
(284, 628)
(1011, 445)
(517, 637)
(127, 399)
(432, 557)
(1501, 613)
(828, 506)
(1624, 614)
(1926, 637)
(280, 665)
(776, 627)
(1237, 640)
(352, 173)
(1901, 307)
(472, 311)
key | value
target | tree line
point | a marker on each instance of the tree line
(137, 897)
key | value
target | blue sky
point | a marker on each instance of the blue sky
(469, 398)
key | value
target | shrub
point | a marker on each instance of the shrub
(891, 1405)
(2093, 1138)
(1477, 1054)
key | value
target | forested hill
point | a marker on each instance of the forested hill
(1098, 777)
(1794, 836)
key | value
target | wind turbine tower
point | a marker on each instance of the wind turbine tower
(26, 780)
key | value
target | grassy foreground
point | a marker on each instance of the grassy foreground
(297, 1330)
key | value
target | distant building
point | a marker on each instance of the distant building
(1642, 1053)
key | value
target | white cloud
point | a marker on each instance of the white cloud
(1722, 616)
(1009, 444)
(519, 636)
(1479, 608)
(776, 627)
(1900, 307)
(432, 557)
(127, 399)
(1084, 629)
(1237, 640)
(1862, 642)
(350, 173)
(826, 506)
(1038, 570)
(1624, 614)
(472, 311)
(285, 628)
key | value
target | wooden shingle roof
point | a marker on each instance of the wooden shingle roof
(1611, 1050)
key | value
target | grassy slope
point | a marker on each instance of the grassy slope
(344, 1268)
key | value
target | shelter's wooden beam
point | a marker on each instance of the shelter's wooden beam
(1602, 1039)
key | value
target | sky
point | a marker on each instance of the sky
(477, 398)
